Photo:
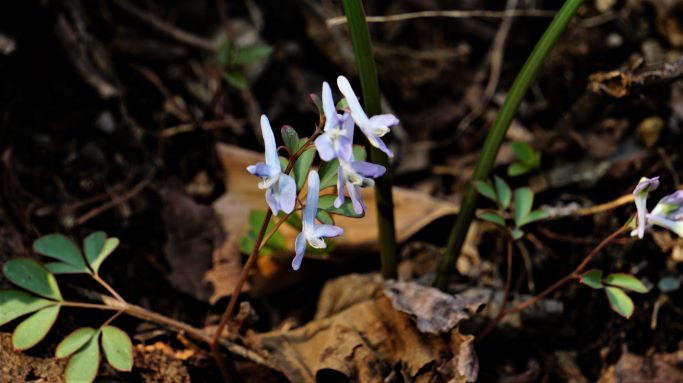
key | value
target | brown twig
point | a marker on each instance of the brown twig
(167, 29)
(335, 21)
(622, 83)
(106, 206)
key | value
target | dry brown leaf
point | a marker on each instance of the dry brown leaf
(435, 311)
(368, 342)
(193, 234)
(635, 369)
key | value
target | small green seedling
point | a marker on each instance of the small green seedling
(233, 61)
(500, 193)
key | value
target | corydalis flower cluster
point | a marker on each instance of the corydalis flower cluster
(668, 213)
(335, 142)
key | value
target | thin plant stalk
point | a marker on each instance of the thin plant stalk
(495, 137)
(362, 50)
(574, 275)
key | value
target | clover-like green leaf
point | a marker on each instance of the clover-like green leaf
(32, 276)
(64, 268)
(619, 301)
(535, 215)
(83, 365)
(250, 54)
(326, 203)
(74, 341)
(16, 303)
(34, 328)
(592, 279)
(526, 154)
(110, 244)
(118, 349)
(503, 191)
(524, 200)
(62, 248)
(328, 173)
(493, 218)
(626, 281)
(516, 233)
(247, 243)
(486, 190)
(291, 138)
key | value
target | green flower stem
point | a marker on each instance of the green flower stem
(495, 137)
(362, 49)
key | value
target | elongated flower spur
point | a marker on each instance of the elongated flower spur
(374, 127)
(644, 187)
(311, 232)
(281, 188)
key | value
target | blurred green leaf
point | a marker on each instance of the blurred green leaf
(33, 329)
(503, 192)
(117, 347)
(17, 303)
(516, 233)
(342, 104)
(326, 203)
(518, 169)
(524, 199)
(592, 279)
(328, 173)
(526, 154)
(626, 281)
(276, 242)
(97, 248)
(619, 301)
(493, 218)
(74, 341)
(324, 217)
(359, 152)
(251, 54)
(236, 79)
(486, 190)
(32, 276)
(535, 215)
(64, 268)
(62, 248)
(224, 55)
(291, 138)
(83, 365)
(666, 284)
(303, 165)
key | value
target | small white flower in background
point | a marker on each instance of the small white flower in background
(281, 188)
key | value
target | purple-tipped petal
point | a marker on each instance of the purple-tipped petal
(646, 185)
(368, 169)
(357, 111)
(387, 120)
(328, 231)
(311, 208)
(261, 169)
(269, 143)
(287, 192)
(273, 201)
(356, 199)
(325, 147)
(344, 149)
(300, 248)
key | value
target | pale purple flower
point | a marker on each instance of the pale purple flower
(334, 142)
(312, 233)
(281, 188)
(645, 186)
(668, 213)
(373, 127)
